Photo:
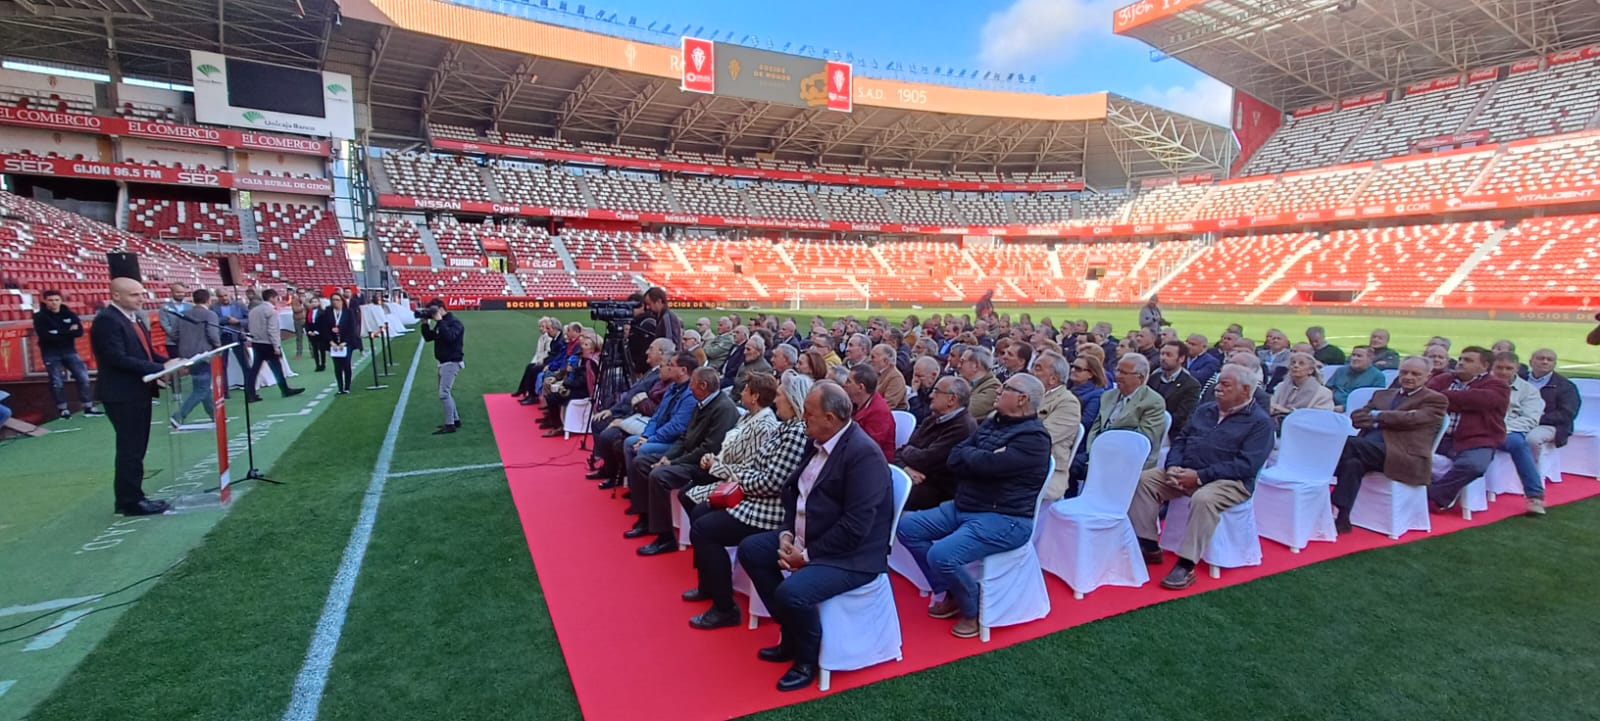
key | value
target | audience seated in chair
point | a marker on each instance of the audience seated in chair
(1397, 428)
(632, 410)
(1061, 414)
(1561, 401)
(759, 455)
(1130, 405)
(872, 411)
(891, 385)
(1357, 373)
(1000, 471)
(1522, 418)
(925, 457)
(582, 375)
(1214, 462)
(1476, 422)
(1177, 386)
(1325, 352)
(838, 511)
(976, 367)
(665, 426)
(653, 478)
(1301, 388)
(924, 373)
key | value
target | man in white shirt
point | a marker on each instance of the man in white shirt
(1522, 417)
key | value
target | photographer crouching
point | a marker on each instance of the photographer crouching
(445, 332)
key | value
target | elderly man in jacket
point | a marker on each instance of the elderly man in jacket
(925, 457)
(1130, 405)
(1000, 471)
(1397, 427)
(1214, 462)
(1522, 418)
(1061, 414)
(1561, 401)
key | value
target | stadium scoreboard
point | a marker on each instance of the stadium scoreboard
(763, 75)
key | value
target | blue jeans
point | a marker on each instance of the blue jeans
(793, 601)
(57, 361)
(943, 541)
(650, 448)
(1527, 469)
(199, 391)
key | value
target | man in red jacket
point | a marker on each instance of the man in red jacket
(1476, 422)
(872, 411)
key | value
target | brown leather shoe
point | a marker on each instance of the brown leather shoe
(967, 627)
(948, 608)
(1153, 558)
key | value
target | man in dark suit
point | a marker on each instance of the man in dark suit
(925, 456)
(652, 479)
(125, 352)
(1176, 385)
(1397, 430)
(317, 333)
(1203, 359)
(838, 510)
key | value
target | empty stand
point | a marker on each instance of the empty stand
(1231, 269)
(1414, 118)
(852, 205)
(1561, 99)
(921, 207)
(609, 251)
(300, 244)
(1167, 204)
(784, 201)
(628, 191)
(1313, 191)
(1042, 208)
(182, 220)
(1542, 261)
(1545, 166)
(1310, 141)
(546, 187)
(433, 282)
(1428, 179)
(396, 234)
(1232, 200)
(709, 197)
(1400, 265)
(446, 177)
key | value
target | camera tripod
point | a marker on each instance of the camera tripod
(616, 375)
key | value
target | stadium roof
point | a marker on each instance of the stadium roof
(1295, 53)
(421, 61)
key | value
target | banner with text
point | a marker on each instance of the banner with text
(94, 170)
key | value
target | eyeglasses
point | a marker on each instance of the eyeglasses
(1080, 368)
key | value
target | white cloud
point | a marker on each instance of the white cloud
(1030, 31)
(1206, 98)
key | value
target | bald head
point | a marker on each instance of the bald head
(127, 294)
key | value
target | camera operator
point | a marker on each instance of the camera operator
(667, 323)
(441, 328)
(642, 330)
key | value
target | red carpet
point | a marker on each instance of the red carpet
(625, 634)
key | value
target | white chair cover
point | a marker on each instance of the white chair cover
(1391, 507)
(575, 418)
(901, 562)
(1581, 455)
(861, 627)
(267, 377)
(1550, 462)
(1389, 376)
(904, 424)
(680, 520)
(1328, 371)
(1166, 443)
(1502, 476)
(1234, 544)
(1011, 583)
(406, 315)
(1358, 398)
(1088, 541)
(1291, 498)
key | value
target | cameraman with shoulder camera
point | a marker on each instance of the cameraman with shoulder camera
(447, 334)
(667, 323)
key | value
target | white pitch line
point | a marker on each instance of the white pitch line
(313, 678)
(49, 639)
(46, 605)
(6, 686)
(436, 471)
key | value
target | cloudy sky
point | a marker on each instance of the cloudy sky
(1068, 44)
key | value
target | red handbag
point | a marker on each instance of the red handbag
(726, 494)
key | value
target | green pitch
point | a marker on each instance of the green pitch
(447, 619)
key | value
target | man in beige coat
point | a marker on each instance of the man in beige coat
(1062, 415)
(891, 385)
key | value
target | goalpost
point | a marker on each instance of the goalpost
(838, 294)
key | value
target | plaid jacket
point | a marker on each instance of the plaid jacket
(761, 475)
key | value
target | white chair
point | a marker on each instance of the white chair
(904, 424)
(575, 418)
(1291, 499)
(1011, 583)
(1501, 476)
(1328, 371)
(901, 562)
(1089, 541)
(1390, 507)
(1550, 462)
(1235, 543)
(861, 627)
(1389, 376)
(1358, 398)
(680, 520)
(1581, 455)
(1166, 443)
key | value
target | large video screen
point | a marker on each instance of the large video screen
(275, 88)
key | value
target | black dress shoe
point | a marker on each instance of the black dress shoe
(638, 531)
(695, 595)
(662, 544)
(598, 475)
(292, 392)
(609, 484)
(441, 430)
(714, 618)
(146, 507)
(776, 654)
(631, 511)
(798, 676)
(252, 399)
(1341, 523)
(530, 400)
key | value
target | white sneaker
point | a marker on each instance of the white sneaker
(176, 425)
(1535, 507)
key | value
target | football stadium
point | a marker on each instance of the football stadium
(334, 334)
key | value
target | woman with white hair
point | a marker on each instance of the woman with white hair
(759, 464)
(528, 390)
(1302, 388)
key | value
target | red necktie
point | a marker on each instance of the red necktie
(144, 340)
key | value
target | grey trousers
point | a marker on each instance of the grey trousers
(447, 382)
(1206, 505)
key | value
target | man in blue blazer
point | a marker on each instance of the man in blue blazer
(838, 510)
(125, 352)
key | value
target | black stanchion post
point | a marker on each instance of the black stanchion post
(387, 353)
(377, 385)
